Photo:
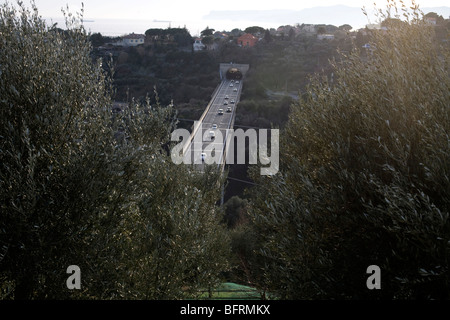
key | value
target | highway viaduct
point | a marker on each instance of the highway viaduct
(211, 131)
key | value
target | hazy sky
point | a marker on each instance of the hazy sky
(195, 9)
(119, 17)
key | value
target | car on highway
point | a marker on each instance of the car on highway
(214, 126)
(225, 102)
(220, 111)
(231, 85)
(232, 101)
(227, 97)
(212, 135)
(235, 89)
(229, 109)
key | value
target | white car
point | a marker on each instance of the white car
(229, 109)
(220, 111)
(214, 126)
(212, 135)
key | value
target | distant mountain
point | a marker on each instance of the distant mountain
(335, 15)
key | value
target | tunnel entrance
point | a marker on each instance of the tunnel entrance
(234, 74)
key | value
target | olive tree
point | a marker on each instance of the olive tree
(82, 184)
(365, 174)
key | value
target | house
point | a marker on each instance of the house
(220, 35)
(325, 36)
(286, 29)
(247, 40)
(431, 20)
(308, 28)
(131, 40)
(198, 45)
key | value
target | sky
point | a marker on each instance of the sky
(191, 13)
(195, 9)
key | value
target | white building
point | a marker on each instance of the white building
(431, 20)
(131, 40)
(308, 28)
(325, 36)
(198, 45)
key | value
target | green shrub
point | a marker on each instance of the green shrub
(365, 168)
(81, 185)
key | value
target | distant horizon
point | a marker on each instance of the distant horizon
(192, 10)
(227, 20)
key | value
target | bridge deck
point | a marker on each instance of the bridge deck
(227, 96)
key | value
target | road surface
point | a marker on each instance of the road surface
(217, 120)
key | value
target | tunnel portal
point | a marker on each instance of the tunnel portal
(234, 74)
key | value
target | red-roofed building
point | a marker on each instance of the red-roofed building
(247, 40)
